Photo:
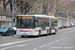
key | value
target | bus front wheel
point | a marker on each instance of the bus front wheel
(39, 33)
(22, 36)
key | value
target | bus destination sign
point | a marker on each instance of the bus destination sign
(28, 17)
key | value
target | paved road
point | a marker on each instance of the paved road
(63, 40)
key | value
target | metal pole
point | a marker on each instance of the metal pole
(35, 7)
(64, 11)
(50, 24)
(1, 12)
(12, 12)
(41, 6)
(54, 7)
(72, 10)
(50, 6)
(47, 8)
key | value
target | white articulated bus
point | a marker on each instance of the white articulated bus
(36, 25)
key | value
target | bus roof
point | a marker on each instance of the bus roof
(39, 16)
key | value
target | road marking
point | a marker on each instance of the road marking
(61, 47)
(56, 40)
(18, 39)
(65, 37)
(11, 43)
(43, 46)
(6, 44)
(13, 46)
(51, 43)
(67, 29)
(21, 45)
(59, 35)
(62, 35)
(5, 37)
(35, 49)
(67, 32)
(68, 47)
(62, 39)
(56, 47)
(1, 45)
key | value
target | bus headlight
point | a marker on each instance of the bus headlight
(17, 31)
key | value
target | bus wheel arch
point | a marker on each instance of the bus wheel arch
(47, 32)
(39, 33)
(55, 31)
(22, 36)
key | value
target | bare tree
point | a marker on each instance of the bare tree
(5, 3)
(24, 5)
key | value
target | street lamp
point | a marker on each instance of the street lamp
(12, 11)
(41, 6)
(55, 7)
(64, 11)
(72, 10)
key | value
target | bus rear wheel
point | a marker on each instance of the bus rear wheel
(55, 32)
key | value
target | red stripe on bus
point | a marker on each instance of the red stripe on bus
(47, 29)
(36, 30)
(25, 31)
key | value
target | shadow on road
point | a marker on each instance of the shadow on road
(34, 36)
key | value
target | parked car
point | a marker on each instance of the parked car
(68, 24)
(65, 25)
(6, 30)
(60, 26)
(72, 24)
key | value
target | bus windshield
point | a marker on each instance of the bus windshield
(25, 23)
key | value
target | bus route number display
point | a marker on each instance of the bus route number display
(24, 17)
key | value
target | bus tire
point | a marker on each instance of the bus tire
(22, 36)
(39, 33)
